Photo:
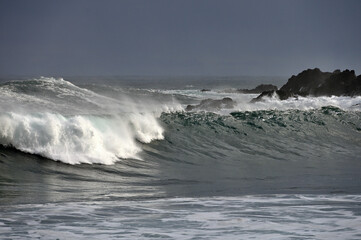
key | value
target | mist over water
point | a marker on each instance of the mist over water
(65, 144)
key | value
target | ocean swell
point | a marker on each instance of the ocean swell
(96, 124)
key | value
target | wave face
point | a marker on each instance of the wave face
(270, 132)
(266, 150)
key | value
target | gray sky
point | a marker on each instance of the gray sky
(166, 37)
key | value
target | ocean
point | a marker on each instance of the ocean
(120, 158)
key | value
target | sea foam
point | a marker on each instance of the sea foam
(79, 139)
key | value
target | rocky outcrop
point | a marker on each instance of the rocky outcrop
(211, 104)
(314, 82)
(338, 84)
(305, 82)
(259, 89)
(355, 87)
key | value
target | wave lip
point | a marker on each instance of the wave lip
(81, 138)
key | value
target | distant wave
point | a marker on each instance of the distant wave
(243, 101)
(275, 133)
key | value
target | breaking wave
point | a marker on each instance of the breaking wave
(58, 120)
(79, 139)
(61, 121)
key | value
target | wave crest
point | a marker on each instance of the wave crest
(81, 138)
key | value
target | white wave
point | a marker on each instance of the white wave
(243, 101)
(303, 103)
(79, 139)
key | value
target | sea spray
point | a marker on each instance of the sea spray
(61, 121)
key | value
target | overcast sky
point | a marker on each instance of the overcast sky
(166, 37)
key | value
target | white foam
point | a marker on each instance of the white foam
(302, 103)
(243, 101)
(79, 139)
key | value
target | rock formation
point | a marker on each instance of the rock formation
(314, 82)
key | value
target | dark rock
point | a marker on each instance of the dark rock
(314, 82)
(339, 83)
(284, 94)
(205, 90)
(306, 82)
(211, 104)
(259, 89)
(355, 87)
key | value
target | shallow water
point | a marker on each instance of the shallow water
(247, 217)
